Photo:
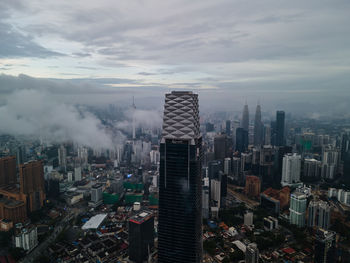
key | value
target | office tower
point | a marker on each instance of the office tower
(319, 214)
(258, 127)
(236, 168)
(209, 127)
(241, 140)
(7, 170)
(180, 189)
(228, 128)
(267, 135)
(53, 188)
(77, 174)
(252, 253)
(227, 166)
(214, 168)
(32, 184)
(62, 157)
(325, 246)
(291, 169)
(223, 189)
(312, 168)
(133, 119)
(280, 115)
(215, 191)
(220, 147)
(267, 161)
(21, 155)
(141, 236)
(96, 194)
(297, 209)
(252, 186)
(205, 202)
(248, 218)
(330, 160)
(245, 118)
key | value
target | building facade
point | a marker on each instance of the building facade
(180, 188)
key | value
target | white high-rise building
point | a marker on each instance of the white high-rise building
(319, 214)
(27, 238)
(297, 209)
(291, 169)
(252, 253)
(215, 191)
(248, 218)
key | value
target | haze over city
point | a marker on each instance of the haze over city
(174, 131)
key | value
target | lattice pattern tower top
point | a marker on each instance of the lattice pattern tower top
(181, 116)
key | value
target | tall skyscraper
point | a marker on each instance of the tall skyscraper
(180, 188)
(291, 169)
(220, 147)
(228, 128)
(325, 250)
(280, 115)
(319, 214)
(258, 127)
(32, 184)
(245, 118)
(141, 236)
(7, 170)
(252, 253)
(62, 157)
(241, 139)
(297, 209)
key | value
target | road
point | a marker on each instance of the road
(240, 197)
(36, 252)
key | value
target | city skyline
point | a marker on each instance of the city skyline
(96, 53)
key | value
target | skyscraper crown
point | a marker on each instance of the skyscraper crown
(181, 116)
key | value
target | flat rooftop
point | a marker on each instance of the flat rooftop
(141, 217)
(94, 222)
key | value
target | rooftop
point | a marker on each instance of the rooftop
(141, 217)
(94, 222)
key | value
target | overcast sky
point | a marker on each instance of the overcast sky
(284, 53)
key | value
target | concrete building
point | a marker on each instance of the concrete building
(26, 238)
(77, 174)
(252, 253)
(297, 209)
(215, 191)
(325, 246)
(252, 186)
(291, 169)
(319, 214)
(96, 195)
(141, 236)
(312, 168)
(248, 218)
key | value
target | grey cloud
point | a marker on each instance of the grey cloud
(15, 44)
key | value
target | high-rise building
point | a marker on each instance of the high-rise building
(267, 135)
(180, 188)
(7, 170)
(227, 166)
(245, 118)
(214, 168)
(77, 174)
(26, 238)
(248, 218)
(280, 115)
(252, 253)
(312, 168)
(228, 128)
(252, 186)
(258, 127)
(21, 155)
(32, 184)
(215, 190)
(205, 202)
(325, 246)
(62, 157)
(141, 236)
(241, 139)
(291, 169)
(319, 214)
(96, 194)
(220, 147)
(297, 209)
